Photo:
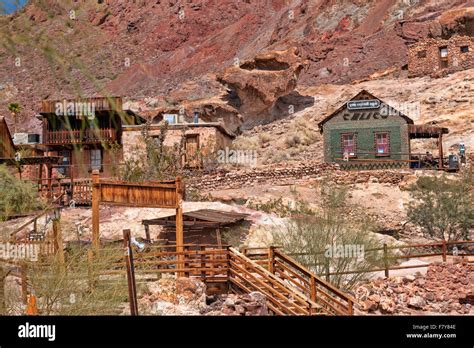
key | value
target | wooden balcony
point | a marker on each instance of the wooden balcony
(85, 136)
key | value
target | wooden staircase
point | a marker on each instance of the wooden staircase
(329, 299)
(290, 288)
(282, 299)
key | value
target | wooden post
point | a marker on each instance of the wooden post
(203, 263)
(40, 176)
(50, 182)
(218, 237)
(58, 241)
(385, 259)
(443, 248)
(95, 209)
(440, 148)
(327, 269)
(313, 288)
(132, 289)
(71, 176)
(179, 226)
(351, 308)
(271, 259)
(24, 283)
(147, 233)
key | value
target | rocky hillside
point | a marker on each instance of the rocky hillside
(166, 51)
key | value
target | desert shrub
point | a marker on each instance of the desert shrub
(264, 138)
(159, 163)
(292, 140)
(443, 207)
(68, 289)
(247, 143)
(330, 240)
(16, 196)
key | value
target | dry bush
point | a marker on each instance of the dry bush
(75, 288)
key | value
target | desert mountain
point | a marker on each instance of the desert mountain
(160, 54)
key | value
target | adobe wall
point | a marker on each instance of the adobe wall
(210, 139)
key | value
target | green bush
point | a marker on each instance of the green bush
(443, 207)
(16, 196)
(314, 239)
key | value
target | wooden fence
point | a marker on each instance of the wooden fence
(290, 289)
(262, 256)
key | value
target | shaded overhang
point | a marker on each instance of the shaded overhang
(426, 131)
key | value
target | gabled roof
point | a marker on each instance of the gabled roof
(363, 93)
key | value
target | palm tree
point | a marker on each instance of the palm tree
(14, 109)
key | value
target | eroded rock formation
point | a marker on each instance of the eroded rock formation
(256, 85)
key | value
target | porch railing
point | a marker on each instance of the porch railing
(89, 136)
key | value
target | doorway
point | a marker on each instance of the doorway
(192, 157)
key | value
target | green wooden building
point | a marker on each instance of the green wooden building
(367, 133)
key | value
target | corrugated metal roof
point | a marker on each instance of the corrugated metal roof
(210, 215)
(216, 215)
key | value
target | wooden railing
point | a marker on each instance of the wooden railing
(332, 300)
(205, 261)
(261, 256)
(282, 298)
(227, 266)
(85, 136)
(64, 190)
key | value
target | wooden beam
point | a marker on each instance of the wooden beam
(95, 209)
(132, 288)
(58, 244)
(179, 226)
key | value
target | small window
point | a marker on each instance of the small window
(96, 159)
(422, 54)
(170, 118)
(349, 144)
(382, 144)
(443, 52)
(464, 49)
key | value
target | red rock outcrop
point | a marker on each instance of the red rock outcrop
(259, 82)
(446, 289)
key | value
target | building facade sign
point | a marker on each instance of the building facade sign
(363, 104)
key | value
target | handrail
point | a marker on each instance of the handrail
(80, 136)
(296, 298)
(314, 280)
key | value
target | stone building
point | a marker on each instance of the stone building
(202, 140)
(440, 56)
(367, 133)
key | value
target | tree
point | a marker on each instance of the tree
(14, 109)
(16, 196)
(331, 240)
(443, 207)
(160, 162)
